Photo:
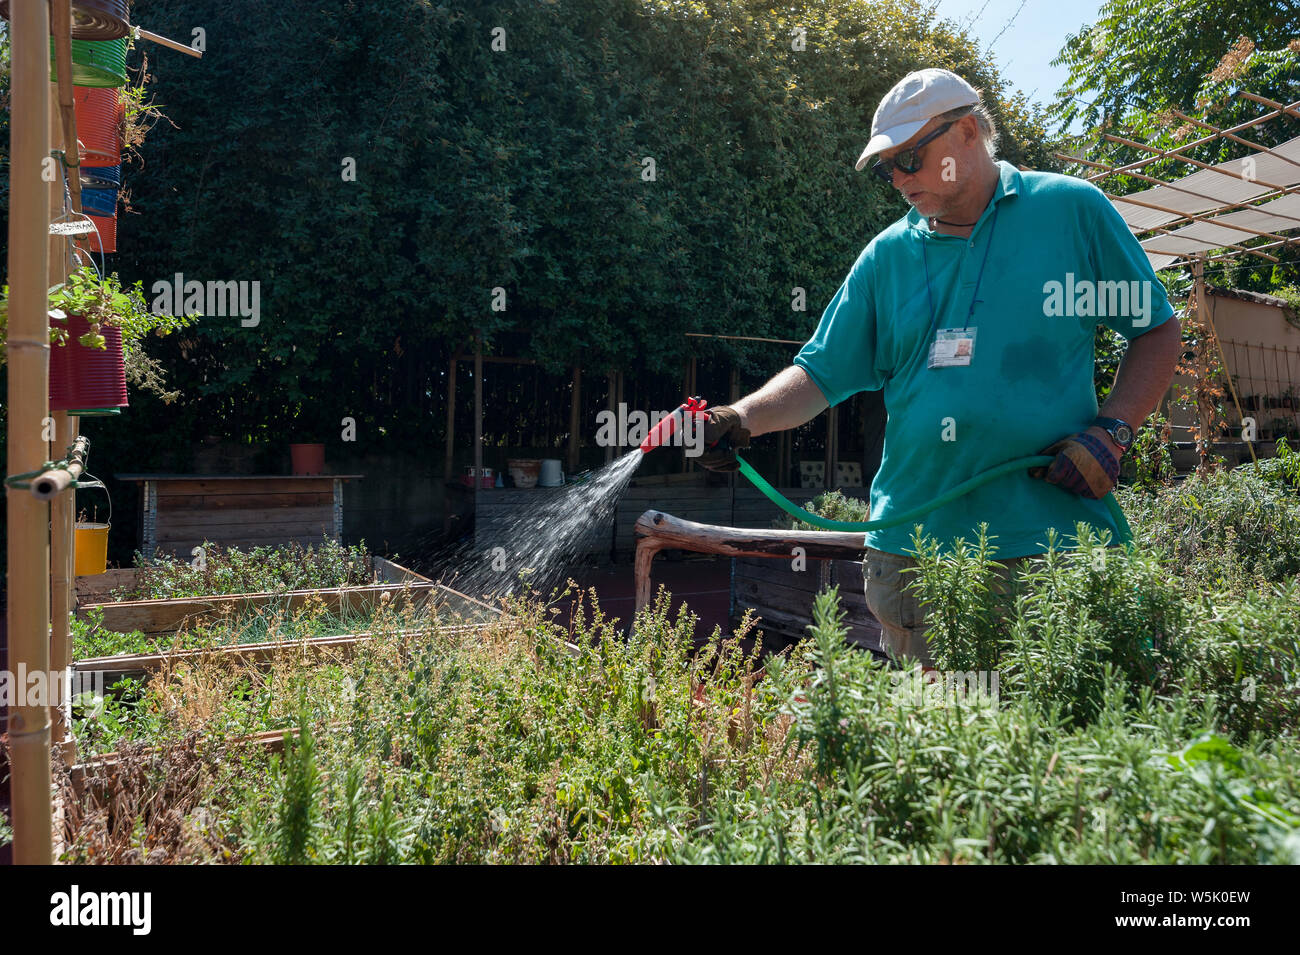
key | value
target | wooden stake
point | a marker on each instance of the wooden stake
(170, 44)
(28, 342)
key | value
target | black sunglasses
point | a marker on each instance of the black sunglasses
(908, 160)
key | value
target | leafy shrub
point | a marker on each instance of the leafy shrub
(833, 505)
(257, 570)
(1075, 622)
(892, 781)
(1224, 530)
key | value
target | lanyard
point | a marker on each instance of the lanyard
(934, 317)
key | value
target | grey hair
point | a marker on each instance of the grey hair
(988, 128)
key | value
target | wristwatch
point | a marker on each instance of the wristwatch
(1120, 431)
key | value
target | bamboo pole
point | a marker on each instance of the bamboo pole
(61, 514)
(1278, 108)
(62, 580)
(1173, 153)
(28, 342)
(1239, 176)
(62, 27)
(1211, 218)
(1236, 139)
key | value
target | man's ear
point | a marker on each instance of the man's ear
(970, 129)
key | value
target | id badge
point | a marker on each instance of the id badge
(952, 346)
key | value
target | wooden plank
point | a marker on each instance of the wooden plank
(225, 502)
(262, 515)
(390, 572)
(101, 586)
(218, 533)
(235, 477)
(258, 654)
(167, 616)
(206, 486)
(184, 548)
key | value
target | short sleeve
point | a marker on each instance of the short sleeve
(841, 356)
(1135, 298)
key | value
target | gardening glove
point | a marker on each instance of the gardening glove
(723, 436)
(1083, 466)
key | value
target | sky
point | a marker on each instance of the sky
(1030, 43)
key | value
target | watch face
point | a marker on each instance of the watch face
(1123, 435)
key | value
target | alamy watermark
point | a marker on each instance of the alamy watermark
(1085, 298)
(626, 428)
(176, 296)
(50, 687)
(77, 908)
(970, 688)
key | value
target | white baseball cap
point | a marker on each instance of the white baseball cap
(914, 101)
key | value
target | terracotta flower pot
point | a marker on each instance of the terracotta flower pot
(307, 458)
(82, 377)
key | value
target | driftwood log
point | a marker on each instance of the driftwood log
(656, 531)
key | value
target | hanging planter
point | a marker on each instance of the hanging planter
(105, 239)
(98, 177)
(100, 118)
(94, 63)
(94, 19)
(84, 377)
(99, 201)
(100, 19)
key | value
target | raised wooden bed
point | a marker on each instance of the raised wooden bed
(783, 597)
(762, 574)
(180, 511)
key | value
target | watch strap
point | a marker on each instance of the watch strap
(1111, 425)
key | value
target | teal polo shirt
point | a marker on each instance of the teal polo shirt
(1051, 260)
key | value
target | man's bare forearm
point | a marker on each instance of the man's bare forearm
(1145, 373)
(788, 400)
(1143, 377)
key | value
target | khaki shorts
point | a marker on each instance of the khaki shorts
(901, 615)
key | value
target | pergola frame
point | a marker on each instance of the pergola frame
(1212, 216)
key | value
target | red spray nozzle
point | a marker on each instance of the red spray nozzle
(692, 408)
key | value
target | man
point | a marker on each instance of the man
(975, 313)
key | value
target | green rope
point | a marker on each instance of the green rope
(1037, 460)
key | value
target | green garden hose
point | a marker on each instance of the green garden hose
(1037, 460)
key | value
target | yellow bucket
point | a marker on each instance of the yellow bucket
(91, 549)
(90, 539)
